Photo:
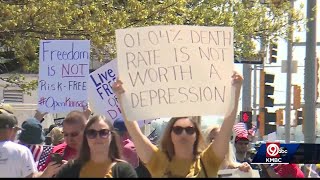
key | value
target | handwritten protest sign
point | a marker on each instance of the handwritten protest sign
(102, 99)
(175, 70)
(101, 96)
(63, 75)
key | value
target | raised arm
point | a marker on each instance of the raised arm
(143, 145)
(87, 111)
(39, 116)
(221, 143)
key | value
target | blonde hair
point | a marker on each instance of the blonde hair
(166, 143)
(209, 130)
(229, 161)
(56, 136)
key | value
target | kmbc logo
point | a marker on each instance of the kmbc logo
(274, 152)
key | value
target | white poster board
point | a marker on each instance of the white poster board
(102, 99)
(272, 137)
(101, 96)
(175, 70)
(236, 173)
(63, 75)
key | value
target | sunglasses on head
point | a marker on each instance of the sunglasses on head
(73, 134)
(92, 133)
(178, 130)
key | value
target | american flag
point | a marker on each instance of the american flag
(240, 129)
(153, 137)
(252, 130)
(40, 153)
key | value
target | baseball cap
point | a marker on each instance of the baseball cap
(119, 125)
(241, 137)
(6, 107)
(8, 120)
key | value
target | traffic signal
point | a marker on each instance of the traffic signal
(299, 117)
(258, 121)
(246, 117)
(270, 128)
(261, 122)
(265, 101)
(270, 117)
(317, 75)
(264, 119)
(266, 90)
(279, 114)
(296, 97)
(273, 53)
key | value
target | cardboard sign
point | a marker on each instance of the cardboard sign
(63, 75)
(175, 70)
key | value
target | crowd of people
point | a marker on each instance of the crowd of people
(93, 146)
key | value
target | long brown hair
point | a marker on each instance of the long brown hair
(166, 143)
(114, 148)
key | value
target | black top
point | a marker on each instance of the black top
(119, 170)
(142, 171)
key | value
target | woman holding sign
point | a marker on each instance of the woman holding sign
(182, 153)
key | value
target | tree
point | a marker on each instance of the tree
(24, 22)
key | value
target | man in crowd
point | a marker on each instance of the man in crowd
(73, 129)
(48, 139)
(283, 171)
(241, 144)
(32, 137)
(16, 160)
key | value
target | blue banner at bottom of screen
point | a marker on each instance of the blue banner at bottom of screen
(275, 153)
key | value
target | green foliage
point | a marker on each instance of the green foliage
(24, 22)
(19, 80)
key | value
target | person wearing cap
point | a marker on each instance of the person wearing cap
(7, 108)
(16, 160)
(48, 139)
(32, 137)
(50, 128)
(32, 132)
(128, 149)
(241, 144)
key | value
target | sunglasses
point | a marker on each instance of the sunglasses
(92, 133)
(73, 134)
(243, 143)
(178, 130)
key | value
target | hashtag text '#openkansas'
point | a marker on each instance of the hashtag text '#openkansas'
(50, 102)
(42, 101)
